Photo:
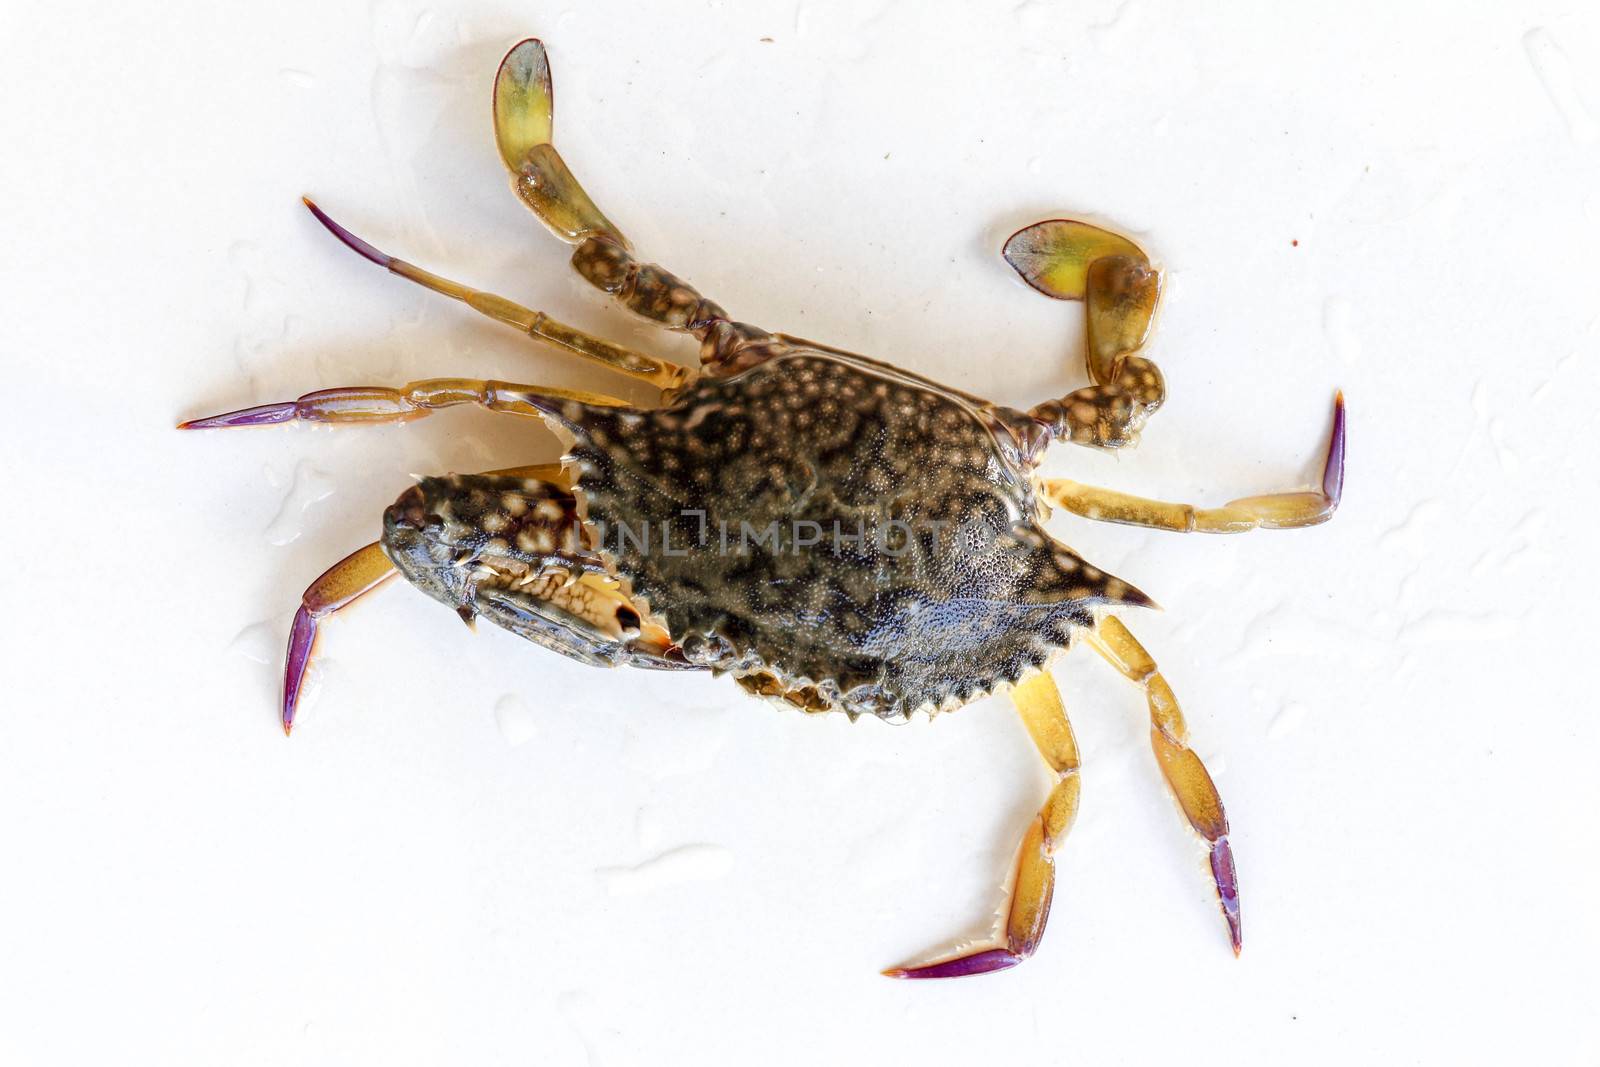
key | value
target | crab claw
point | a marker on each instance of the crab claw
(263, 415)
(302, 645)
(350, 240)
(1333, 467)
(1227, 890)
(338, 587)
(1031, 890)
(981, 962)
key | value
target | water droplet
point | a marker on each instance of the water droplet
(1416, 532)
(650, 827)
(308, 486)
(1456, 627)
(851, 49)
(515, 720)
(1287, 721)
(579, 1009)
(677, 866)
(1560, 83)
(1338, 324)
(1499, 436)
(257, 642)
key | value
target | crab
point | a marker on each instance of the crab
(830, 531)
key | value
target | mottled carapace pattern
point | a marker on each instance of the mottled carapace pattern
(832, 532)
(825, 529)
(515, 551)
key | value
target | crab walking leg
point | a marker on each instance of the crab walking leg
(523, 126)
(1038, 701)
(1275, 511)
(376, 403)
(535, 324)
(1185, 774)
(339, 586)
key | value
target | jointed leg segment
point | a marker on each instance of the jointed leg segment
(1071, 260)
(535, 324)
(369, 567)
(1185, 774)
(375, 403)
(339, 586)
(524, 121)
(1039, 703)
(1274, 511)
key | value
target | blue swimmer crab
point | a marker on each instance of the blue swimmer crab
(832, 532)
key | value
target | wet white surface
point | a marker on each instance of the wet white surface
(476, 852)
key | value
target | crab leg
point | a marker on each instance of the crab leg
(1039, 703)
(1275, 511)
(535, 324)
(1185, 774)
(339, 586)
(523, 125)
(1071, 260)
(371, 403)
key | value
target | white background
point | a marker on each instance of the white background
(473, 851)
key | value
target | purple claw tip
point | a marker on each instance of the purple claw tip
(1227, 889)
(350, 240)
(993, 959)
(1333, 469)
(302, 639)
(264, 415)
